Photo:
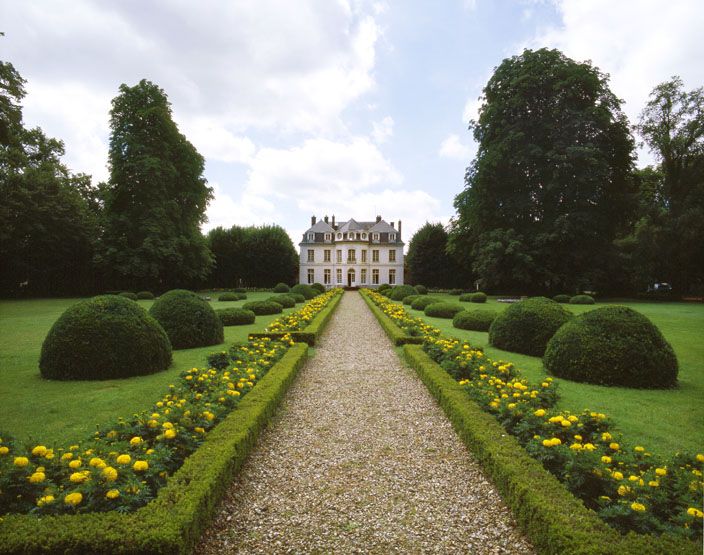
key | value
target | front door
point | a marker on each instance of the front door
(350, 278)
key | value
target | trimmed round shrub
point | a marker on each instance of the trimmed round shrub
(387, 293)
(466, 297)
(287, 301)
(188, 320)
(304, 289)
(281, 288)
(476, 320)
(129, 295)
(527, 326)
(319, 287)
(235, 316)
(561, 298)
(399, 292)
(422, 289)
(442, 310)
(239, 290)
(613, 345)
(422, 301)
(409, 299)
(454, 292)
(297, 297)
(104, 338)
(582, 299)
(383, 287)
(478, 297)
(261, 308)
(145, 296)
(229, 297)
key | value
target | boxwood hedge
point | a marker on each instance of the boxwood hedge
(261, 308)
(235, 316)
(188, 320)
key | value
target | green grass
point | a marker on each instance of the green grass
(58, 413)
(662, 421)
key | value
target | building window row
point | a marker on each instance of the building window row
(351, 255)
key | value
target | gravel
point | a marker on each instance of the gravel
(360, 459)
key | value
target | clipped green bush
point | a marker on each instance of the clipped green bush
(387, 293)
(297, 297)
(614, 345)
(454, 292)
(281, 288)
(129, 295)
(287, 301)
(145, 296)
(104, 338)
(478, 297)
(422, 289)
(383, 287)
(527, 326)
(304, 289)
(228, 297)
(239, 290)
(410, 298)
(476, 320)
(582, 299)
(562, 298)
(319, 287)
(400, 291)
(466, 297)
(442, 310)
(261, 308)
(188, 320)
(423, 301)
(235, 316)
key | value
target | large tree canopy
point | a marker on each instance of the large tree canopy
(428, 261)
(156, 198)
(551, 184)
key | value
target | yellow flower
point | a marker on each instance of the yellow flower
(66, 456)
(589, 447)
(45, 500)
(700, 458)
(123, 459)
(97, 462)
(639, 449)
(140, 466)
(661, 471)
(199, 430)
(135, 441)
(606, 460)
(623, 490)
(167, 425)
(112, 494)
(37, 478)
(696, 513)
(78, 477)
(614, 446)
(617, 476)
(39, 451)
(73, 498)
(75, 464)
(109, 473)
(4, 450)
(21, 462)
(653, 483)
(638, 507)
(633, 478)
(576, 446)
(606, 436)
(170, 434)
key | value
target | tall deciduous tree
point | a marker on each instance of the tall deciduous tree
(550, 186)
(672, 125)
(156, 197)
(428, 261)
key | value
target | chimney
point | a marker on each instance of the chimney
(312, 221)
(333, 221)
(399, 229)
(392, 224)
(378, 219)
(326, 219)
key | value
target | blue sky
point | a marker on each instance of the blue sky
(347, 107)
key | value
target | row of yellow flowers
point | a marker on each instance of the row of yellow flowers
(627, 486)
(299, 319)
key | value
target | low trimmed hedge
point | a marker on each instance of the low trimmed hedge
(262, 308)
(400, 292)
(475, 320)
(145, 296)
(442, 310)
(424, 301)
(129, 295)
(306, 290)
(297, 297)
(235, 316)
(563, 299)
(422, 289)
(410, 299)
(230, 297)
(285, 300)
(281, 288)
(478, 297)
(319, 287)
(582, 299)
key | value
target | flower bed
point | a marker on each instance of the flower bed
(629, 488)
(414, 329)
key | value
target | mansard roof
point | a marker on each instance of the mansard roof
(382, 227)
(321, 227)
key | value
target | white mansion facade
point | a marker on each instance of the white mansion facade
(352, 254)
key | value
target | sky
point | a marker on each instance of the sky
(352, 108)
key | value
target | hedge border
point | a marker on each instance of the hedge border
(312, 331)
(554, 520)
(396, 334)
(174, 520)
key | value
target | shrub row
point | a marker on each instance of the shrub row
(230, 297)
(235, 316)
(262, 308)
(477, 297)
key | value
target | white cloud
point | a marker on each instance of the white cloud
(451, 147)
(215, 142)
(382, 130)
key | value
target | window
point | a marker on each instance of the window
(328, 237)
(339, 235)
(339, 275)
(326, 276)
(392, 255)
(311, 236)
(339, 256)
(375, 276)
(364, 255)
(375, 237)
(311, 275)
(375, 255)
(326, 255)
(311, 255)
(392, 276)
(364, 236)
(392, 237)
(363, 277)
(351, 256)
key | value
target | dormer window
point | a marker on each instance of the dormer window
(392, 237)
(339, 235)
(375, 237)
(327, 237)
(311, 236)
(364, 236)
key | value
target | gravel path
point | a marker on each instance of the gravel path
(360, 459)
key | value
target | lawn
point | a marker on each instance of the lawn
(663, 421)
(57, 413)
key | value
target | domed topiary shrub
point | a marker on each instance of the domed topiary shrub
(145, 296)
(400, 291)
(422, 301)
(410, 299)
(582, 299)
(442, 310)
(188, 320)
(466, 297)
(239, 290)
(383, 287)
(261, 308)
(129, 295)
(319, 287)
(304, 289)
(561, 298)
(228, 297)
(235, 316)
(297, 297)
(478, 297)
(422, 289)
(281, 288)
(287, 301)
(614, 345)
(476, 320)
(387, 293)
(527, 326)
(454, 292)
(104, 338)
